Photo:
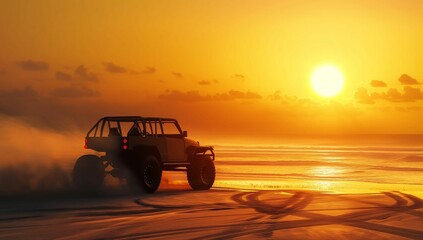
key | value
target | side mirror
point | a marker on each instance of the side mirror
(185, 134)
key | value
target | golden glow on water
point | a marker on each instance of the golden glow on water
(352, 170)
(332, 158)
(346, 187)
(324, 185)
(325, 171)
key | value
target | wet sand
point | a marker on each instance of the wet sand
(215, 214)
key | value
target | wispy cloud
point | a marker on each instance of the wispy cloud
(409, 94)
(176, 95)
(63, 76)
(363, 96)
(207, 82)
(56, 110)
(32, 65)
(239, 76)
(74, 92)
(149, 70)
(204, 82)
(82, 73)
(177, 74)
(378, 83)
(114, 68)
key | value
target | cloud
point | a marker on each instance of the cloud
(362, 96)
(63, 76)
(57, 110)
(378, 83)
(31, 65)
(195, 96)
(407, 80)
(240, 76)
(114, 68)
(177, 74)
(234, 94)
(16, 102)
(11, 101)
(149, 70)
(204, 82)
(74, 92)
(189, 96)
(27, 105)
(82, 73)
(393, 95)
(409, 94)
(276, 96)
(207, 82)
(412, 94)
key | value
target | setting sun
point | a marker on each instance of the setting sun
(327, 81)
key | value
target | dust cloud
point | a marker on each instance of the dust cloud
(36, 160)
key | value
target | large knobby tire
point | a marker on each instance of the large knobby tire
(88, 173)
(201, 173)
(150, 174)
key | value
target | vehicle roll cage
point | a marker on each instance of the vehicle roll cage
(136, 120)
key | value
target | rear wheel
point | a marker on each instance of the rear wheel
(201, 173)
(150, 174)
(88, 173)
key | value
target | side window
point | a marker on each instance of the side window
(110, 128)
(135, 129)
(170, 128)
(148, 128)
(127, 130)
(153, 128)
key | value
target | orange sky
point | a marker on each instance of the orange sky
(225, 69)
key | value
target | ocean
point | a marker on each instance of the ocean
(354, 168)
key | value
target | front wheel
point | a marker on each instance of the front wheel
(201, 173)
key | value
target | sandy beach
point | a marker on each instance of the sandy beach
(216, 214)
(259, 193)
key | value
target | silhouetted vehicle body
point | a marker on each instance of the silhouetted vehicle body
(138, 149)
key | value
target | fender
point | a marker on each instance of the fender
(194, 152)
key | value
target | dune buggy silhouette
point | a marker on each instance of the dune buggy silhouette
(138, 149)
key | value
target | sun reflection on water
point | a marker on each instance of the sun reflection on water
(326, 171)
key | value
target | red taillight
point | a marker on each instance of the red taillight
(85, 145)
(125, 141)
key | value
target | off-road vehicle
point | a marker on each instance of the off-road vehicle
(137, 149)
